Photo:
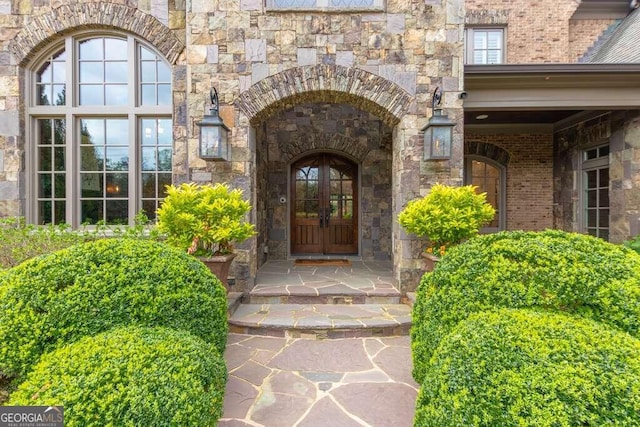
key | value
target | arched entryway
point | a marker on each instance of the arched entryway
(324, 205)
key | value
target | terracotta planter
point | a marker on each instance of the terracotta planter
(430, 261)
(219, 265)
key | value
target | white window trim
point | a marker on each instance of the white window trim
(502, 202)
(325, 6)
(72, 113)
(469, 48)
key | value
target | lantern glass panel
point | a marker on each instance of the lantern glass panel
(441, 142)
(210, 141)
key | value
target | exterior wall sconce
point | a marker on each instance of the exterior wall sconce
(214, 134)
(438, 133)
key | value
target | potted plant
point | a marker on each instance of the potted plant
(447, 216)
(206, 221)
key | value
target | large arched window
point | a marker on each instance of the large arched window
(99, 131)
(489, 177)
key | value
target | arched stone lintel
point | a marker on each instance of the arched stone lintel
(325, 83)
(490, 151)
(44, 29)
(316, 142)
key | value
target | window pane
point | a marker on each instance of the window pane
(592, 177)
(117, 212)
(604, 177)
(603, 218)
(44, 186)
(480, 57)
(146, 54)
(117, 159)
(60, 185)
(43, 94)
(604, 197)
(494, 40)
(91, 49)
(45, 75)
(592, 198)
(60, 211)
(117, 132)
(44, 130)
(149, 207)
(164, 73)
(164, 159)
(59, 72)
(117, 185)
(149, 185)
(59, 96)
(116, 95)
(91, 95)
(92, 131)
(148, 132)
(91, 72)
(59, 163)
(148, 94)
(60, 132)
(91, 158)
(493, 57)
(91, 211)
(91, 185)
(479, 40)
(164, 94)
(44, 159)
(164, 132)
(44, 212)
(149, 159)
(148, 72)
(115, 49)
(592, 218)
(115, 72)
(164, 179)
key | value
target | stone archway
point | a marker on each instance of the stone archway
(42, 30)
(325, 83)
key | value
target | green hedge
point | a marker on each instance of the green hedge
(90, 288)
(552, 269)
(527, 368)
(130, 377)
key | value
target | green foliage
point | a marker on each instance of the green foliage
(20, 241)
(554, 270)
(447, 215)
(634, 243)
(93, 287)
(528, 368)
(130, 377)
(204, 219)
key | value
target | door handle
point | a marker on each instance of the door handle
(321, 216)
(327, 215)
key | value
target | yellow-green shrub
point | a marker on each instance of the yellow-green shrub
(130, 377)
(567, 272)
(59, 298)
(527, 368)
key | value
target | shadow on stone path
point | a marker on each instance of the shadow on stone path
(286, 382)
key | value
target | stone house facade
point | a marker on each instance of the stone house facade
(326, 102)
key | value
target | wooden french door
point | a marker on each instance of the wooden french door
(324, 205)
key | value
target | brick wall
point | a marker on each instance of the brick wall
(529, 198)
(583, 34)
(537, 31)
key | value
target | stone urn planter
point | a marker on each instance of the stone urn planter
(219, 265)
(430, 261)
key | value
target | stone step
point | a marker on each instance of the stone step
(321, 320)
(332, 294)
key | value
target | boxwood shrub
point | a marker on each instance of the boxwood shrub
(569, 272)
(93, 287)
(526, 368)
(130, 377)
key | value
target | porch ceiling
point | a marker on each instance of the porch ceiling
(547, 93)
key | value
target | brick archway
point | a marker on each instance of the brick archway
(325, 83)
(490, 151)
(42, 30)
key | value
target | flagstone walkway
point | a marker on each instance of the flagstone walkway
(298, 382)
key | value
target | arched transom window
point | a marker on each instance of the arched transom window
(100, 131)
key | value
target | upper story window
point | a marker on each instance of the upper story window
(485, 45)
(100, 132)
(325, 4)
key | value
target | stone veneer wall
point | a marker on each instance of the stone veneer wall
(383, 63)
(262, 62)
(529, 186)
(622, 131)
(340, 129)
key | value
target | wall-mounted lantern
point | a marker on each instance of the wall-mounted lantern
(214, 134)
(438, 133)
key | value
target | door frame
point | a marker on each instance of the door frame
(290, 201)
